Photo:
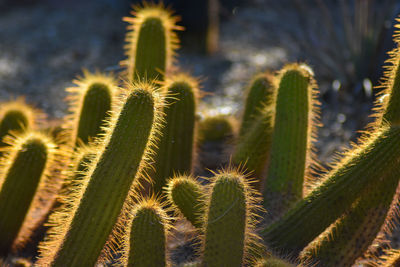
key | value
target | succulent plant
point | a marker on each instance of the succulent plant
(121, 160)
(175, 152)
(149, 228)
(90, 104)
(151, 42)
(188, 197)
(229, 221)
(24, 169)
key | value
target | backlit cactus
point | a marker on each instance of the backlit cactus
(229, 221)
(341, 187)
(188, 198)
(216, 128)
(24, 170)
(253, 148)
(272, 261)
(294, 126)
(121, 160)
(261, 93)
(176, 146)
(148, 233)
(151, 42)
(90, 105)
(17, 117)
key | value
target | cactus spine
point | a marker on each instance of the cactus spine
(260, 93)
(90, 105)
(24, 170)
(272, 261)
(342, 186)
(187, 196)
(122, 158)
(148, 235)
(294, 124)
(175, 148)
(151, 42)
(229, 221)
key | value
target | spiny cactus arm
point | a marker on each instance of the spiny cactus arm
(375, 157)
(23, 173)
(294, 126)
(149, 229)
(260, 93)
(80, 232)
(387, 105)
(229, 221)
(354, 232)
(90, 104)
(272, 261)
(151, 42)
(17, 116)
(175, 152)
(187, 196)
(216, 128)
(389, 258)
(253, 148)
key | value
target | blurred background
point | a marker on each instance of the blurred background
(44, 44)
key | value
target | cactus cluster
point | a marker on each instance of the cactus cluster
(122, 177)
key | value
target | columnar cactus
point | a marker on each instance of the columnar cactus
(229, 221)
(216, 128)
(253, 148)
(294, 126)
(24, 170)
(188, 198)
(148, 233)
(341, 187)
(261, 92)
(90, 105)
(80, 232)
(343, 243)
(151, 42)
(176, 145)
(16, 116)
(272, 261)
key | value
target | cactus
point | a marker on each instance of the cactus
(151, 42)
(352, 234)
(175, 148)
(260, 93)
(358, 169)
(187, 196)
(229, 221)
(122, 159)
(272, 261)
(148, 235)
(16, 116)
(24, 169)
(216, 128)
(294, 126)
(90, 104)
(253, 148)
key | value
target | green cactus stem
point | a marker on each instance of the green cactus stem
(253, 148)
(176, 146)
(151, 42)
(353, 233)
(187, 196)
(23, 173)
(148, 235)
(272, 261)
(229, 221)
(17, 117)
(216, 128)
(90, 105)
(376, 156)
(260, 93)
(80, 232)
(294, 125)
